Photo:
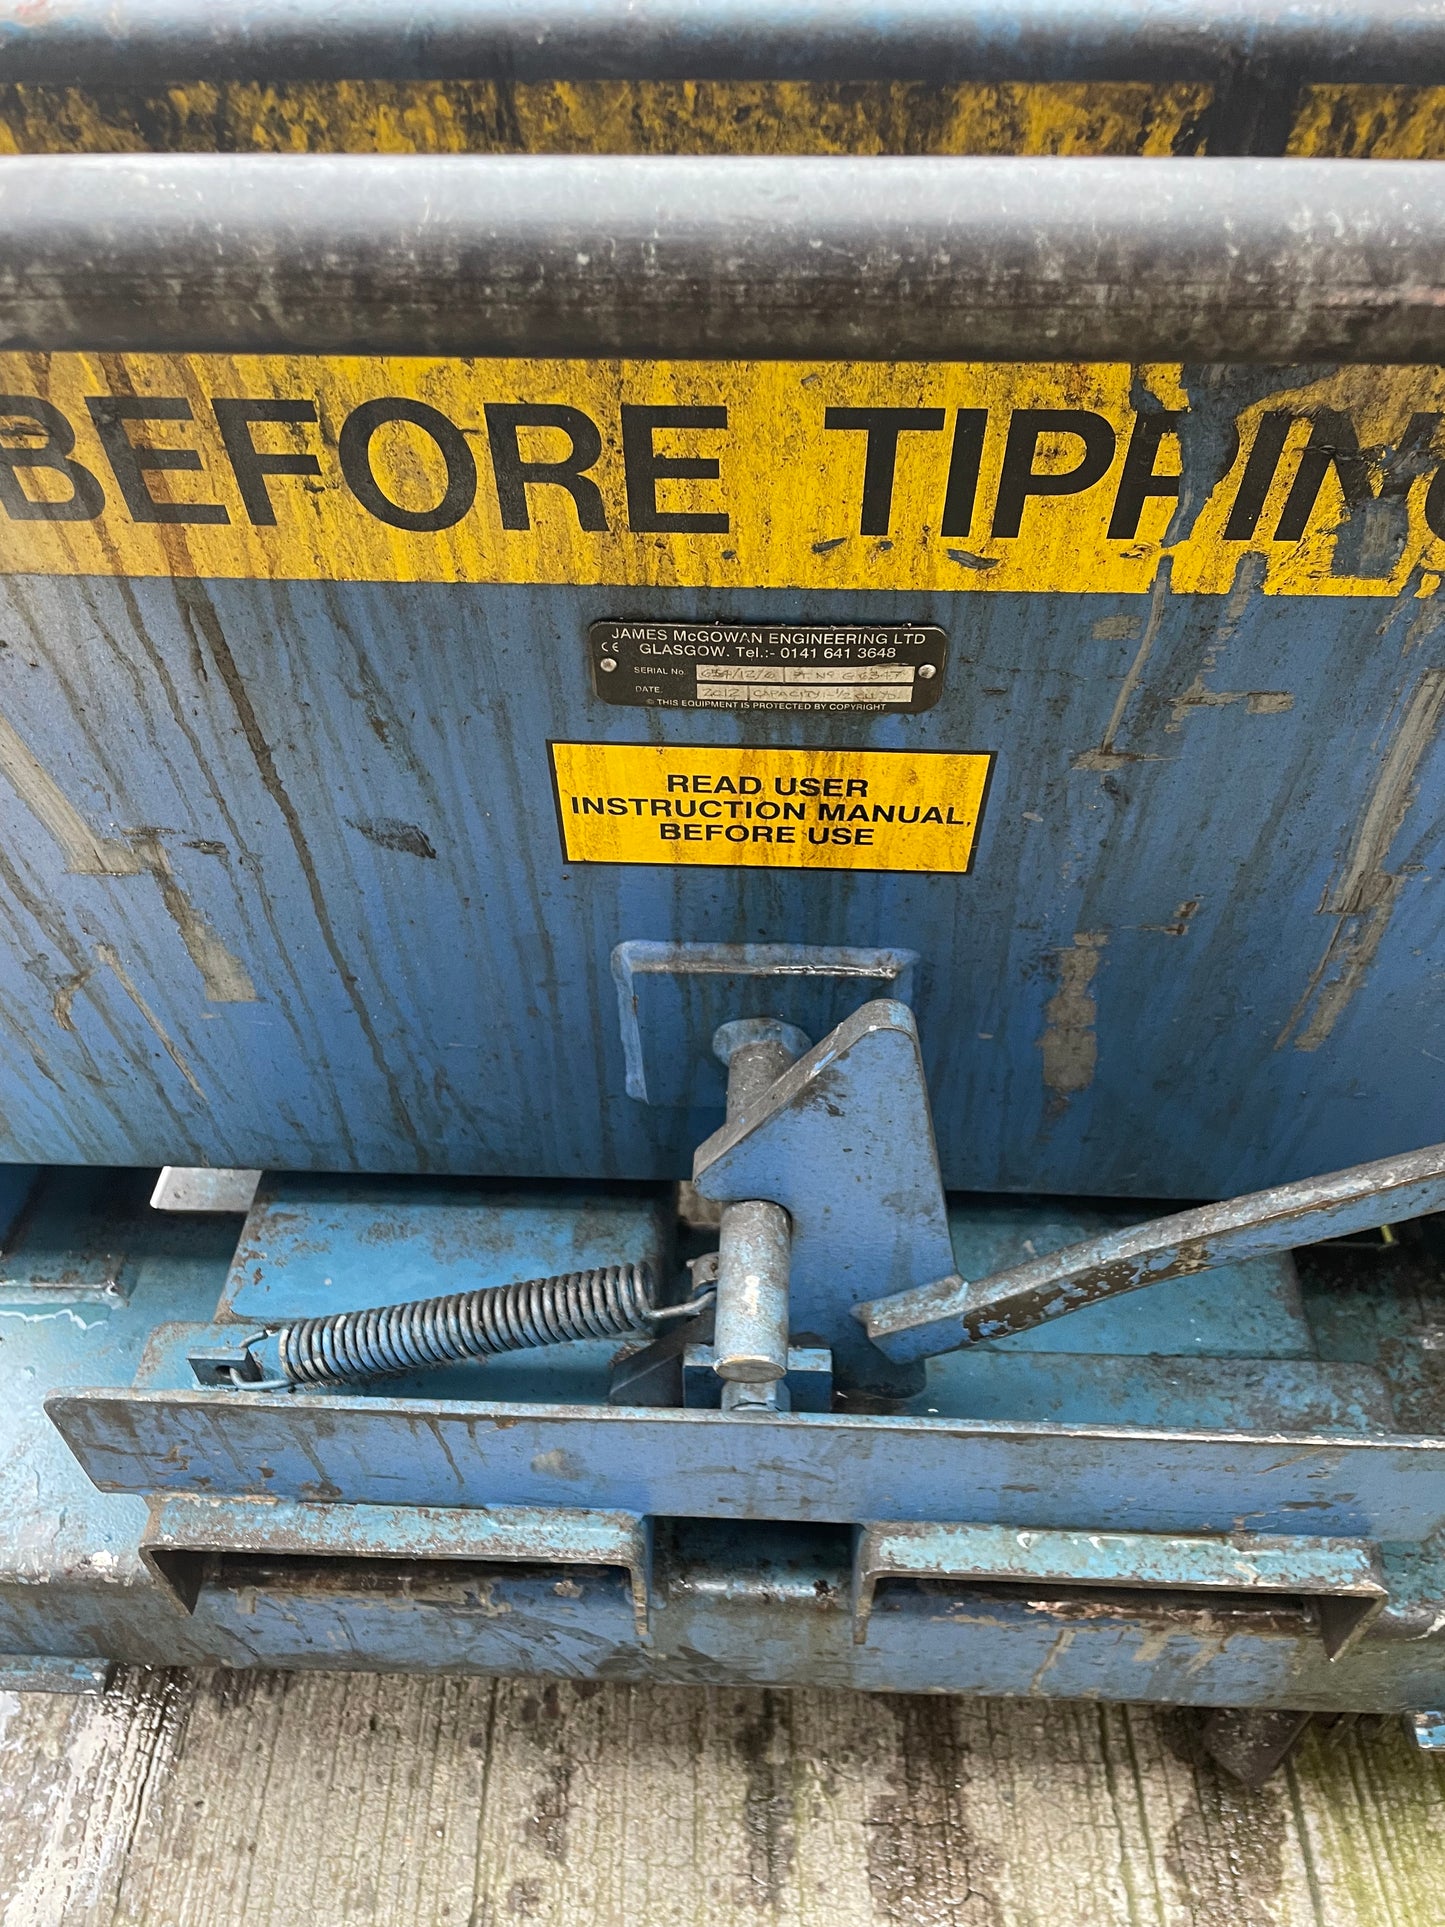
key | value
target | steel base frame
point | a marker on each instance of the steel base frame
(1201, 1496)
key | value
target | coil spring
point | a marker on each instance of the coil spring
(607, 1303)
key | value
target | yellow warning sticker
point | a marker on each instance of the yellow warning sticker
(985, 478)
(786, 809)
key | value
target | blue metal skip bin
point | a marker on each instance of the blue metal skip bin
(707, 687)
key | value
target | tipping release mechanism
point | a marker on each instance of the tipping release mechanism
(953, 1311)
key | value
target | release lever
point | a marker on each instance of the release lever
(953, 1312)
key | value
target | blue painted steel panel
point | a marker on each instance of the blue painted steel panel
(73, 1236)
(48, 1673)
(697, 1464)
(349, 785)
(52, 1530)
(313, 1245)
(1168, 1393)
(1342, 1577)
(183, 1533)
(1250, 1310)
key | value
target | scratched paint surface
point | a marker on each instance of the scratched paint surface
(1192, 955)
(281, 1801)
(1365, 121)
(698, 117)
(608, 116)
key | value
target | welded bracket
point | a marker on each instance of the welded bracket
(1340, 1578)
(184, 1533)
(843, 1141)
(671, 998)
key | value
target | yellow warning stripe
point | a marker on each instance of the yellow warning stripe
(1365, 121)
(993, 477)
(606, 117)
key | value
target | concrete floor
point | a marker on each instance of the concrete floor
(333, 1800)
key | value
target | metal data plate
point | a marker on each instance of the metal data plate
(893, 667)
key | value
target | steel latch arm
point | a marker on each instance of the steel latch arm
(953, 1311)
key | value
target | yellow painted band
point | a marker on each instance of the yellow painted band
(1334, 120)
(752, 475)
(1330, 120)
(606, 117)
(1369, 122)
